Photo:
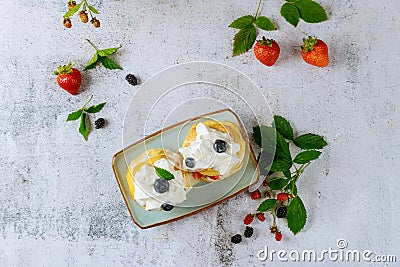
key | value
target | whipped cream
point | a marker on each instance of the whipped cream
(144, 180)
(202, 151)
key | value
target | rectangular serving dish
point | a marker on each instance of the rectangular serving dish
(233, 185)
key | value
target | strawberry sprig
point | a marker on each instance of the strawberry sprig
(82, 114)
(102, 56)
(85, 9)
(282, 173)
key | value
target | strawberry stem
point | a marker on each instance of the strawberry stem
(258, 8)
(87, 102)
(92, 44)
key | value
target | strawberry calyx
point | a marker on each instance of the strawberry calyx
(65, 69)
(309, 44)
(265, 41)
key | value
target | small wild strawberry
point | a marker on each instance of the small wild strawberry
(255, 195)
(278, 236)
(95, 22)
(71, 4)
(83, 16)
(265, 183)
(273, 229)
(282, 197)
(248, 219)
(260, 217)
(67, 23)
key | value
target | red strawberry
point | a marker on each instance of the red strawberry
(260, 217)
(278, 236)
(255, 195)
(315, 52)
(267, 51)
(248, 219)
(68, 78)
(197, 175)
(282, 197)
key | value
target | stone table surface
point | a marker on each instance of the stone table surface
(59, 202)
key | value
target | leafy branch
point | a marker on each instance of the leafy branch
(277, 137)
(102, 56)
(82, 114)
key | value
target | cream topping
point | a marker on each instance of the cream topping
(202, 151)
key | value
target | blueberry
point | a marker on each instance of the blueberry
(167, 207)
(220, 146)
(161, 185)
(189, 162)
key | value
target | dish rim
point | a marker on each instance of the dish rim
(251, 152)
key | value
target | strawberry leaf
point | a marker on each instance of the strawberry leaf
(267, 205)
(109, 64)
(162, 173)
(310, 141)
(290, 13)
(74, 115)
(244, 40)
(83, 127)
(265, 23)
(311, 11)
(93, 62)
(283, 127)
(91, 8)
(95, 108)
(108, 51)
(296, 215)
(73, 10)
(278, 183)
(243, 22)
(306, 156)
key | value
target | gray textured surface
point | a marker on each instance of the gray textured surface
(59, 202)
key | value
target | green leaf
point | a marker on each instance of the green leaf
(74, 115)
(265, 137)
(292, 187)
(95, 108)
(267, 205)
(290, 13)
(282, 148)
(306, 156)
(265, 23)
(310, 141)
(287, 174)
(83, 127)
(278, 183)
(283, 127)
(243, 22)
(311, 11)
(91, 8)
(109, 64)
(162, 173)
(265, 160)
(73, 10)
(296, 215)
(93, 62)
(281, 165)
(108, 51)
(244, 40)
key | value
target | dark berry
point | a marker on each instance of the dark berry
(161, 185)
(220, 146)
(99, 123)
(132, 80)
(167, 207)
(248, 232)
(236, 239)
(189, 162)
(281, 212)
(248, 219)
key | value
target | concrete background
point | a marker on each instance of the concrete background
(59, 202)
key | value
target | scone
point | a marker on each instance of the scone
(213, 150)
(150, 190)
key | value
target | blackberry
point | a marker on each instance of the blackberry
(236, 239)
(248, 232)
(132, 80)
(281, 212)
(99, 123)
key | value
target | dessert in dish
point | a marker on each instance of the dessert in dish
(150, 190)
(213, 150)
